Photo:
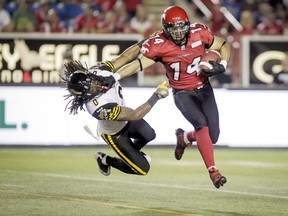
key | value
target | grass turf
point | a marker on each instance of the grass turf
(66, 181)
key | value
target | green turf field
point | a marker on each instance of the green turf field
(66, 181)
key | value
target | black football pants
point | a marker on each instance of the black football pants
(199, 108)
(127, 144)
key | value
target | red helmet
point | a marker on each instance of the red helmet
(175, 24)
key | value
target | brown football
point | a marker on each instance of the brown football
(209, 55)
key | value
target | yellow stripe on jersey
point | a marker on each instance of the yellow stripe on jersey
(114, 113)
(108, 139)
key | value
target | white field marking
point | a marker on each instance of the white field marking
(234, 163)
(283, 189)
(177, 163)
(11, 185)
(258, 164)
(144, 183)
(96, 186)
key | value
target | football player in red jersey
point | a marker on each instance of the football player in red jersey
(179, 46)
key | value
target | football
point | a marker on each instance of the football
(209, 55)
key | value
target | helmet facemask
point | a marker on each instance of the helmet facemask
(176, 24)
(177, 32)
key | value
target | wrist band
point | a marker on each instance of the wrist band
(141, 68)
(153, 99)
(224, 63)
(116, 76)
(110, 65)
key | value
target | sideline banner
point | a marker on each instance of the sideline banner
(36, 116)
(37, 59)
(261, 58)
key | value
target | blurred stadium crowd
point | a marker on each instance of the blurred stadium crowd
(226, 18)
(99, 16)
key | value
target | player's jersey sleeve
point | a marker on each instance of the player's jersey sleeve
(154, 47)
(203, 32)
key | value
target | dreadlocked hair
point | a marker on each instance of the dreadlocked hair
(78, 101)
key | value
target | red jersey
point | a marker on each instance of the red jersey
(181, 63)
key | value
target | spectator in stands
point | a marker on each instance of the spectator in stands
(73, 8)
(23, 20)
(122, 19)
(106, 5)
(41, 13)
(131, 6)
(234, 7)
(5, 19)
(248, 5)
(140, 24)
(249, 28)
(53, 23)
(271, 25)
(281, 11)
(218, 23)
(107, 24)
(11, 6)
(68, 10)
(260, 13)
(248, 23)
(87, 22)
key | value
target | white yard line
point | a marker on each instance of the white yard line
(55, 175)
(11, 185)
(233, 163)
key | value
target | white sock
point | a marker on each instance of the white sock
(185, 137)
(212, 167)
(104, 160)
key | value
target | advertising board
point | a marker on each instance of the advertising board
(37, 59)
(261, 58)
(36, 116)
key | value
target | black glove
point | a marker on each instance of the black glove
(217, 69)
(108, 82)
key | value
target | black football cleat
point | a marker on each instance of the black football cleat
(103, 168)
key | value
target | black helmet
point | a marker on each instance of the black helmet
(78, 83)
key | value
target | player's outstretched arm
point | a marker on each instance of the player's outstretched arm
(129, 114)
(125, 57)
(127, 70)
